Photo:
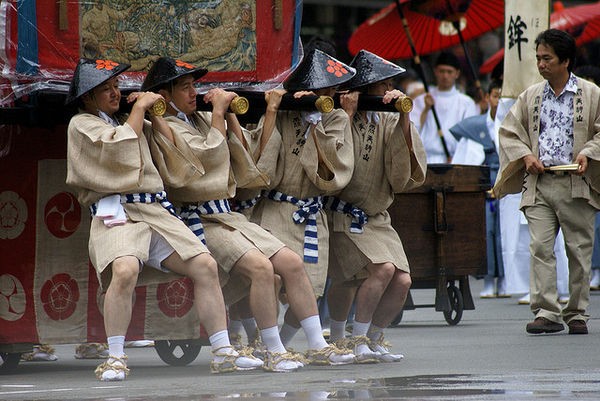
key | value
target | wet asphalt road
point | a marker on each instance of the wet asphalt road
(487, 356)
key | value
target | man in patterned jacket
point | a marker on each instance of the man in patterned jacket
(549, 151)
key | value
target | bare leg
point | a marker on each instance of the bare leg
(263, 302)
(235, 323)
(390, 305)
(264, 306)
(297, 285)
(118, 301)
(208, 300)
(393, 299)
(372, 290)
(208, 297)
(339, 300)
(303, 309)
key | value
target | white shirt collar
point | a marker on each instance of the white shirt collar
(571, 86)
(108, 118)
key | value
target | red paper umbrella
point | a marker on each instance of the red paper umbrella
(583, 22)
(430, 23)
(590, 32)
(415, 27)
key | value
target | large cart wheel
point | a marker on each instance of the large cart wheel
(177, 352)
(397, 319)
(9, 362)
(454, 315)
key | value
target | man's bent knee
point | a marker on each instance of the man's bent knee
(255, 266)
(382, 272)
(287, 262)
(125, 271)
(203, 266)
(402, 279)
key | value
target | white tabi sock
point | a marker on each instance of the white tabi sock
(270, 338)
(221, 348)
(115, 346)
(360, 328)
(314, 332)
(220, 339)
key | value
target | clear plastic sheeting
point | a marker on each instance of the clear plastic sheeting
(6, 138)
(243, 43)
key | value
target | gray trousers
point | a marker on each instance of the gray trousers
(555, 208)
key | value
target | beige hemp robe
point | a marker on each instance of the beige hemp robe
(202, 165)
(291, 164)
(382, 167)
(103, 160)
(519, 135)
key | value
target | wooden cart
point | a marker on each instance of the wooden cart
(442, 227)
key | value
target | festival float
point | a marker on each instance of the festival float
(49, 292)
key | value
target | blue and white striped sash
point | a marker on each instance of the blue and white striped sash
(359, 217)
(307, 212)
(190, 214)
(238, 205)
(143, 197)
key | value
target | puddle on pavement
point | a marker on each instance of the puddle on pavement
(439, 387)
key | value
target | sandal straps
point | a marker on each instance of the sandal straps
(274, 358)
(118, 364)
(47, 348)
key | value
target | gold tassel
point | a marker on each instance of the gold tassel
(277, 14)
(63, 20)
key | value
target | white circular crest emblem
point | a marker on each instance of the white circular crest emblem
(13, 215)
(12, 298)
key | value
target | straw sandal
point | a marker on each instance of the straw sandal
(327, 355)
(236, 341)
(258, 347)
(299, 357)
(384, 349)
(114, 369)
(366, 354)
(275, 362)
(40, 353)
(91, 351)
(230, 363)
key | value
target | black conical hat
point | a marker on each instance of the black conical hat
(91, 73)
(166, 69)
(318, 70)
(371, 68)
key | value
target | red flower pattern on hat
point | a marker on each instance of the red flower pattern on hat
(105, 64)
(183, 64)
(336, 68)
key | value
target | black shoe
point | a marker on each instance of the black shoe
(543, 325)
(577, 327)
